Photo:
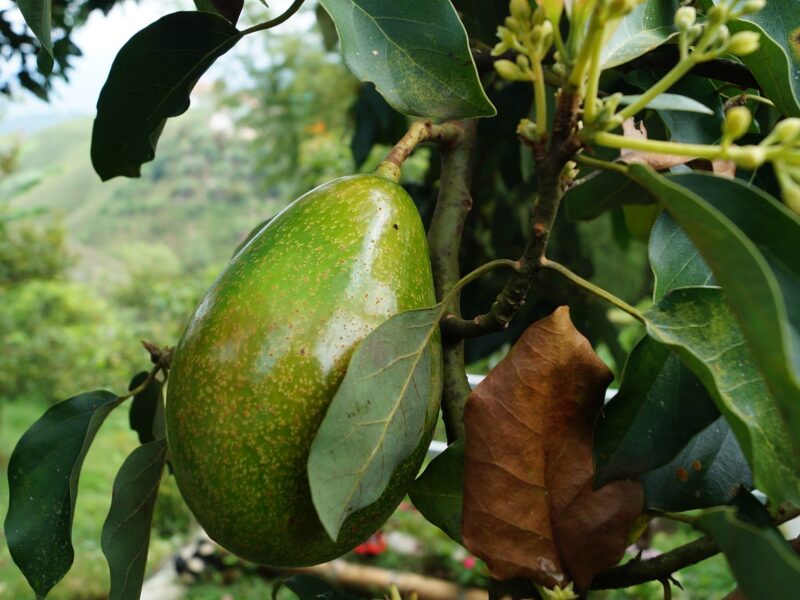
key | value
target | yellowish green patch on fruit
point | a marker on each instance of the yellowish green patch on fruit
(264, 353)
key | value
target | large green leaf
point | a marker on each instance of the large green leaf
(776, 65)
(416, 53)
(126, 532)
(660, 404)
(378, 417)
(659, 407)
(709, 471)
(649, 25)
(749, 241)
(146, 414)
(150, 80)
(38, 15)
(43, 476)
(700, 327)
(439, 492)
(765, 566)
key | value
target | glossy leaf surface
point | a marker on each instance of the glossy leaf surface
(43, 474)
(439, 492)
(415, 52)
(38, 16)
(150, 80)
(649, 25)
(709, 471)
(764, 565)
(749, 241)
(378, 417)
(700, 327)
(670, 102)
(126, 531)
(660, 404)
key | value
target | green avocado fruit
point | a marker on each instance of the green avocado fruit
(264, 353)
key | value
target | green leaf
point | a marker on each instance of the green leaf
(43, 476)
(709, 471)
(765, 566)
(649, 25)
(150, 81)
(659, 407)
(439, 492)
(416, 52)
(146, 414)
(601, 192)
(676, 261)
(307, 587)
(38, 15)
(700, 327)
(378, 417)
(126, 532)
(481, 18)
(228, 9)
(670, 102)
(749, 241)
(776, 65)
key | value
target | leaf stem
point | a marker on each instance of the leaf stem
(420, 131)
(604, 165)
(671, 516)
(590, 287)
(666, 82)
(284, 16)
(593, 83)
(142, 386)
(477, 274)
(540, 98)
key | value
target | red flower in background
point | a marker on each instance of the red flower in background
(373, 546)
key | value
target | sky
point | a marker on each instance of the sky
(100, 40)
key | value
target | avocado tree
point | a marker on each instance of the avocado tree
(303, 393)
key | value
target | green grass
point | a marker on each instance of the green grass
(88, 577)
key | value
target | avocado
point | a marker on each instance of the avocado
(264, 353)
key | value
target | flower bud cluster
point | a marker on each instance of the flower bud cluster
(527, 32)
(783, 146)
(712, 37)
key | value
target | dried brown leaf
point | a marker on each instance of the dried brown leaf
(529, 507)
(658, 162)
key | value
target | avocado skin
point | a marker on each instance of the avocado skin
(264, 353)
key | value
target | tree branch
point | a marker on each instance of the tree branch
(444, 240)
(662, 566)
(550, 163)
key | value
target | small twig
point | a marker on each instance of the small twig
(550, 164)
(284, 16)
(592, 288)
(664, 565)
(667, 588)
(142, 386)
(420, 131)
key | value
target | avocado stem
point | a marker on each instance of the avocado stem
(419, 132)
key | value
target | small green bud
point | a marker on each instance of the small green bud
(737, 122)
(553, 9)
(719, 13)
(508, 70)
(787, 131)
(527, 129)
(753, 6)
(743, 43)
(523, 63)
(520, 9)
(685, 17)
(791, 196)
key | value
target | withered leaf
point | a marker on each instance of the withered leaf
(529, 507)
